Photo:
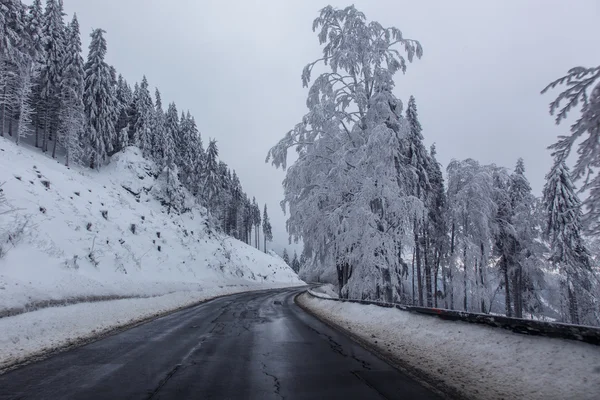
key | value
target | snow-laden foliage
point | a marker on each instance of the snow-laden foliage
(583, 89)
(100, 103)
(348, 193)
(569, 251)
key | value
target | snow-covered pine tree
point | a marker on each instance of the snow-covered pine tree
(72, 113)
(171, 136)
(569, 251)
(437, 226)
(15, 58)
(267, 230)
(419, 161)
(210, 177)
(100, 103)
(124, 97)
(199, 155)
(50, 75)
(187, 153)
(35, 30)
(144, 110)
(345, 194)
(157, 127)
(286, 256)
(583, 88)
(295, 263)
(257, 220)
(471, 195)
(527, 276)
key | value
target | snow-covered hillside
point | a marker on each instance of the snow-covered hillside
(79, 234)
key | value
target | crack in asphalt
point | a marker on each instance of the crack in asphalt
(336, 347)
(363, 380)
(276, 383)
(163, 382)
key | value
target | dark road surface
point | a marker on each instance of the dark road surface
(257, 345)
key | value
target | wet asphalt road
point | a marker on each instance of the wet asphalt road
(257, 345)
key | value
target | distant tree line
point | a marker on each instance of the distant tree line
(86, 111)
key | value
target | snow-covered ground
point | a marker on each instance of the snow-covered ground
(326, 290)
(477, 361)
(79, 235)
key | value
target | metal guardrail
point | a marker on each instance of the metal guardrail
(587, 334)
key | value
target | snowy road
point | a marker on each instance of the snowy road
(247, 346)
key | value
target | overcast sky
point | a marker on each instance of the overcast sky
(236, 66)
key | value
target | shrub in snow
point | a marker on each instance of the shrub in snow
(45, 183)
(132, 228)
(88, 226)
(104, 214)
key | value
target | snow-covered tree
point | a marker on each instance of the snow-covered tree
(124, 97)
(100, 102)
(347, 194)
(142, 123)
(569, 251)
(286, 256)
(210, 178)
(170, 137)
(267, 230)
(72, 113)
(583, 88)
(50, 77)
(472, 207)
(295, 263)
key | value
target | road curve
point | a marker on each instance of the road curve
(257, 345)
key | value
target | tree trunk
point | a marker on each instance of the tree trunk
(37, 135)
(418, 260)
(413, 277)
(427, 270)
(465, 278)
(517, 292)
(506, 286)
(481, 266)
(573, 306)
(435, 278)
(265, 237)
(2, 126)
(54, 146)
(452, 248)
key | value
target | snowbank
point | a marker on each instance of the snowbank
(477, 361)
(327, 290)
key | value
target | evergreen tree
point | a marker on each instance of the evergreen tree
(267, 231)
(527, 277)
(35, 20)
(99, 101)
(144, 108)
(72, 85)
(210, 177)
(286, 256)
(124, 97)
(583, 88)
(296, 263)
(50, 75)
(170, 137)
(158, 130)
(569, 252)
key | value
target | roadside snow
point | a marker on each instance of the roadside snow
(327, 291)
(478, 361)
(35, 333)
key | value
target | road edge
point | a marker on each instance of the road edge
(94, 337)
(419, 375)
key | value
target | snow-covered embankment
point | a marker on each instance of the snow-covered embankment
(476, 361)
(74, 235)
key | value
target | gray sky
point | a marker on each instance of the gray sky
(236, 66)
